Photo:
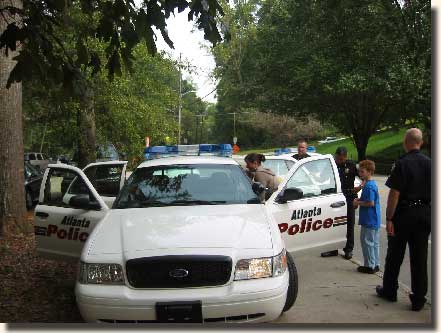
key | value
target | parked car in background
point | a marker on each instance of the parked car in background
(329, 139)
(33, 179)
(38, 160)
(63, 159)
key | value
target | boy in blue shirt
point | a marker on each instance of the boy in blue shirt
(369, 219)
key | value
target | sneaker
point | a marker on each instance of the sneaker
(377, 269)
(382, 294)
(364, 269)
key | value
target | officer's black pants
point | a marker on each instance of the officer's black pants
(411, 226)
(350, 225)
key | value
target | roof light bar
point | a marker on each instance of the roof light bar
(282, 151)
(154, 152)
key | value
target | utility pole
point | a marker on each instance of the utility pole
(234, 121)
(180, 100)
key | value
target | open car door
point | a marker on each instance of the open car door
(107, 178)
(70, 207)
(309, 207)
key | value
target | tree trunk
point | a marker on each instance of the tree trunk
(12, 195)
(361, 142)
(87, 130)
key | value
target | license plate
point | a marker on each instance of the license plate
(179, 312)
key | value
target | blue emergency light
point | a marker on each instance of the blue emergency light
(153, 152)
(281, 151)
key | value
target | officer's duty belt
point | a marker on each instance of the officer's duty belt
(414, 203)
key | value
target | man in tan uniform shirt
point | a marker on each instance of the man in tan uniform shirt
(258, 173)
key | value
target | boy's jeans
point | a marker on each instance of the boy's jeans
(370, 245)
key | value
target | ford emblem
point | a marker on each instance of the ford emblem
(178, 273)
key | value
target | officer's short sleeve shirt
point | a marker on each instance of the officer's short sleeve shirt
(299, 157)
(396, 180)
(411, 176)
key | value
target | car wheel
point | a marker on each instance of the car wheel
(293, 287)
(29, 202)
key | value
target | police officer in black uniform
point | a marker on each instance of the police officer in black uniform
(347, 171)
(302, 147)
(408, 220)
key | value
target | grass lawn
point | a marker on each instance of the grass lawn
(382, 146)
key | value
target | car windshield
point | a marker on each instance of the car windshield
(179, 185)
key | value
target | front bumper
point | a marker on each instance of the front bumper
(253, 301)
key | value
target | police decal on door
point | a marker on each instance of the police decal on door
(308, 223)
(74, 230)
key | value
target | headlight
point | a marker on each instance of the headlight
(261, 267)
(100, 274)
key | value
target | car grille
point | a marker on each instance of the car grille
(231, 319)
(178, 271)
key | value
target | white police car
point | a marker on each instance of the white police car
(280, 162)
(186, 239)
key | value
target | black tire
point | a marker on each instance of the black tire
(29, 202)
(293, 288)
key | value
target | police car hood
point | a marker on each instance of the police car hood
(213, 226)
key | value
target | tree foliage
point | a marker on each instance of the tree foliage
(134, 105)
(359, 65)
(121, 24)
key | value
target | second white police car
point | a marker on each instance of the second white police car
(186, 239)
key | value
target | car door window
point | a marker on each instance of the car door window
(61, 185)
(277, 166)
(105, 179)
(31, 156)
(314, 178)
(39, 157)
(289, 164)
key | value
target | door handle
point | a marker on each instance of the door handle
(338, 204)
(41, 214)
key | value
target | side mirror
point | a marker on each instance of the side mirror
(258, 188)
(82, 201)
(289, 194)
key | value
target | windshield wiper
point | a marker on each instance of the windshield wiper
(153, 203)
(196, 202)
(140, 204)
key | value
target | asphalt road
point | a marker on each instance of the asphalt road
(404, 277)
